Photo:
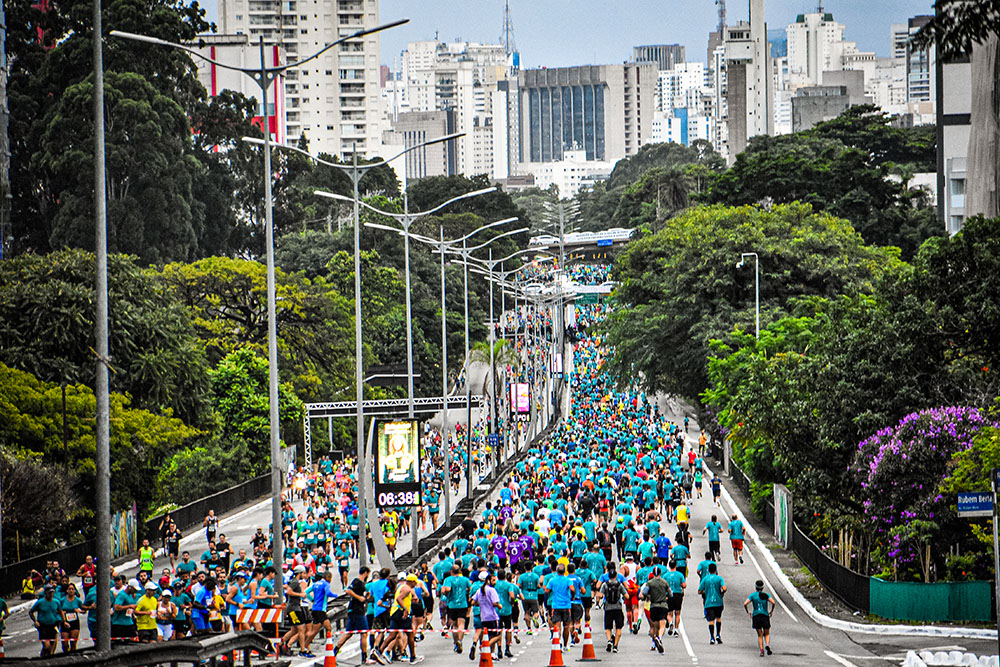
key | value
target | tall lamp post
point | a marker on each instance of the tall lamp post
(406, 219)
(264, 76)
(756, 285)
(443, 247)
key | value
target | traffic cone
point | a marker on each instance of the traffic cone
(588, 647)
(556, 659)
(485, 651)
(330, 660)
(2, 654)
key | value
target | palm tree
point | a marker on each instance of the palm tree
(503, 355)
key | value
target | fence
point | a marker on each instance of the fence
(185, 517)
(956, 601)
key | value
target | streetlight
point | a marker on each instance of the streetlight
(406, 219)
(434, 243)
(264, 76)
(756, 264)
(442, 246)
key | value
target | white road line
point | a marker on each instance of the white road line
(687, 642)
(843, 661)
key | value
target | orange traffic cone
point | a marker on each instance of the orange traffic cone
(330, 660)
(556, 660)
(485, 651)
(2, 654)
(588, 647)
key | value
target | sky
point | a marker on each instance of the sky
(560, 33)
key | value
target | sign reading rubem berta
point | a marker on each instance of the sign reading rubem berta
(977, 503)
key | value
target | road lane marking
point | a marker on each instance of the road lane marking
(843, 661)
(687, 642)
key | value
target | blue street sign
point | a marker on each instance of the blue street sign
(604, 242)
(494, 440)
(977, 503)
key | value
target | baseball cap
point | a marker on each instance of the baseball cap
(483, 575)
(300, 568)
(134, 583)
(167, 592)
(401, 575)
(150, 586)
(241, 573)
(411, 577)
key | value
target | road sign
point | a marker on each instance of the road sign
(996, 479)
(494, 440)
(977, 503)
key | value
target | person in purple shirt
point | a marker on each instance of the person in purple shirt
(488, 601)
(527, 547)
(499, 546)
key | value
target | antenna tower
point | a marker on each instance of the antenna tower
(722, 16)
(507, 35)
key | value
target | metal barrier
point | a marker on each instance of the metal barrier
(852, 588)
(186, 517)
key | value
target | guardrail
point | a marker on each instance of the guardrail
(186, 517)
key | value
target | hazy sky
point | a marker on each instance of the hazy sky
(556, 33)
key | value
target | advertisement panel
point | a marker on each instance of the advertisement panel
(520, 401)
(397, 462)
(557, 364)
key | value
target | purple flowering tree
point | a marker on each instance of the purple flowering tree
(899, 471)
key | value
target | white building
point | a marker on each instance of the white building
(237, 51)
(681, 86)
(570, 174)
(335, 100)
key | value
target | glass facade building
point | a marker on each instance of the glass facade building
(563, 118)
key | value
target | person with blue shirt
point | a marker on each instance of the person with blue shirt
(680, 555)
(714, 530)
(676, 581)
(712, 590)
(456, 589)
(663, 546)
(321, 591)
(761, 615)
(736, 538)
(576, 611)
(560, 590)
(528, 583)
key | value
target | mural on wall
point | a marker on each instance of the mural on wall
(124, 536)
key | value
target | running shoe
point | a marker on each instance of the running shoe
(472, 652)
(712, 641)
(718, 639)
(608, 647)
(614, 650)
(768, 649)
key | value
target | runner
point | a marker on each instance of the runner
(612, 592)
(736, 537)
(46, 616)
(761, 615)
(712, 590)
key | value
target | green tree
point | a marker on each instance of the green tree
(226, 300)
(664, 156)
(679, 288)
(844, 168)
(200, 471)
(240, 383)
(47, 329)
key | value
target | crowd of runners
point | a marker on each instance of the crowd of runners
(596, 517)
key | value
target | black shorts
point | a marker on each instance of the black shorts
(614, 619)
(713, 613)
(561, 616)
(588, 602)
(122, 631)
(515, 613)
(761, 622)
(530, 607)
(491, 626)
(181, 627)
(675, 602)
(657, 614)
(400, 621)
(318, 617)
(71, 626)
(714, 546)
(576, 611)
(47, 632)
(455, 613)
(148, 635)
(172, 549)
(506, 622)
(417, 609)
(295, 618)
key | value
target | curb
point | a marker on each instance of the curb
(849, 626)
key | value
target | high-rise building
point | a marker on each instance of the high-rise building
(604, 110)
(664, 56)
(953, 87)
(920, 80)
(816, 44)
(749, 81)
(334, 100)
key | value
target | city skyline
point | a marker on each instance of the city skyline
(586, 39)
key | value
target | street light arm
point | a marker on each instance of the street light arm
(499, 236)
(467, 195)
(162, 42)
(360, 33)
(349, 200)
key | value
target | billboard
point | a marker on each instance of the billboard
(397, 462)
(557, 364)
(520, 402)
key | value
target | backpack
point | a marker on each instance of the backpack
(613, 592)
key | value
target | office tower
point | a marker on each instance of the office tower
(335, 100)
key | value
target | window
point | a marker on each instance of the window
(957, 193)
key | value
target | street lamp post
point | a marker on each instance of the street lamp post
(406, 219)
(442, 246)
(264, 76)
(756, 285)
